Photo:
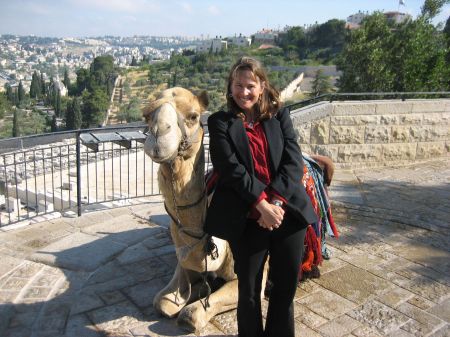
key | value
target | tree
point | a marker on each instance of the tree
(134, 62)
(54, 126)
(5, 105)
(9, 93)
(431, 8)
(73, 114)
(21, 92)
(43, 85)
(95, 105)
(15, 128)
(66, 79)
(365, 59)
(57, 103)
(321, 83)
(82, 80)
(35, 87)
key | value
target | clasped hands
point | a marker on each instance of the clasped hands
(271, 215)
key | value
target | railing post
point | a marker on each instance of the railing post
(78, 149)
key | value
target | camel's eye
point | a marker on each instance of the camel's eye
(192, 117)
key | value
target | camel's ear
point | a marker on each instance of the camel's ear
(203, 99)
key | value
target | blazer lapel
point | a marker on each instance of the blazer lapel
(274, 141)
(239, 137)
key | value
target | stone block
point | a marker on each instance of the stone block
(436, 118)
(303, 131)
(389, 119)
(430, 150)
(320, 132)
(416, 118)
(400, 134)
(393, 107)
(346, 135)
(340, 326)
(442, 310)
(437, 105)
(355, 120)
(377, 134)
(359, 153)
(326, 150)
(353, 108)
(401, 151)
(429, 133)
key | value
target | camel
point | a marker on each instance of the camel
(175, 141)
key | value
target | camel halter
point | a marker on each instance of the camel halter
(210, 247)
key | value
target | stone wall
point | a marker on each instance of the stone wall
(375, 133)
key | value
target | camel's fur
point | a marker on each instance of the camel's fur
(181, 295)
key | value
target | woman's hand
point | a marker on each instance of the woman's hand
(271, 215)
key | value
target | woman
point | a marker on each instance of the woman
(259, 205)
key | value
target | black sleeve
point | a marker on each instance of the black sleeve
(290, 171)
(231, 171)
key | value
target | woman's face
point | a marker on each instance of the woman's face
(246, 89)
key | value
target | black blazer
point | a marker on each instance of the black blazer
(238, 188)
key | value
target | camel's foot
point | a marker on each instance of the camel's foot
(194, 317)
(169, 305)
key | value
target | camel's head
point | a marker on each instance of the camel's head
(173, 121)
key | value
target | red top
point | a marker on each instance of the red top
(259, 149)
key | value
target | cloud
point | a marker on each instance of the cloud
(213, 10)
(186, 7)
(38, 9)
(129, 6)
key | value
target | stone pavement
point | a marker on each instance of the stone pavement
(95, 275)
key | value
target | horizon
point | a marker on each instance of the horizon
(191, 19)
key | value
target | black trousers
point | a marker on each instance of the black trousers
(285, 246)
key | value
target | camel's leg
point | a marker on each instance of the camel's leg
(194, 317)
(172, 298)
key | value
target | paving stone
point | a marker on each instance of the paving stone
(112, 297)
(354, 284)
(137, 252)
(7, 264)
(149, 269)
(339, 326)
(160, 328)
(442, 310)
(421, 303)
(120, 317)
(8, 295)
(15, 283)
(365, 330)
(395, 297)
(301, 330)
(362, 259)
(85, 302)
(226, 322)
(106, 272)
(17, 332)
(161, 237)
(78, 326)
(210, 330)
(143, 293)
(36, 293)
(304, 315)
(27, 269)
(380, 316)
(79, 251)
(422, 323)
(424, 287)
(124, 229)
(442, 332)
(326, 303)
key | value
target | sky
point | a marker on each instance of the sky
(194, 18)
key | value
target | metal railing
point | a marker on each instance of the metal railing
(88, 167)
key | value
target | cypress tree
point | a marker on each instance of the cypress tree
(66, 79)
(58, 103)
(77, 116)
(53, 126)
(15, 128)
(42, 84)
(21, 92)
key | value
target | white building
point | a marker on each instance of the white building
(265, 36)
(356, 18)
(397, 17)
(214, 45)
(240, 41)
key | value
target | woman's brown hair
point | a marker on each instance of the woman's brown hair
(269, 103)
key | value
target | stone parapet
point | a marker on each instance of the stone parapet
(375, 133)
